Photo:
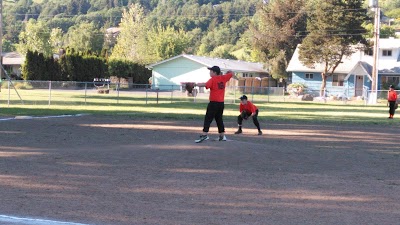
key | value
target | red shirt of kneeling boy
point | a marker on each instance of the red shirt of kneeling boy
(247, 109)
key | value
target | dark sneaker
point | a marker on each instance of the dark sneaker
(238, 132)
(259, 132)
(202, 138)
(222, 138)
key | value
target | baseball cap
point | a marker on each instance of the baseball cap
(391, 86)
(243, 97)
(216, 69)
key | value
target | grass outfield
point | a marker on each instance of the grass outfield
(136, 107)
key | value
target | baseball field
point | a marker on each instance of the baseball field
(314, 164)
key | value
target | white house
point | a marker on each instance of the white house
(354, 74)
(12, 62)
(189, 68)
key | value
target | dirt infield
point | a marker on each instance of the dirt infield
(106, 170)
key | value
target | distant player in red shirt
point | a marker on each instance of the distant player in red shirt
(215, 108)
(247, 109)
(392, 98)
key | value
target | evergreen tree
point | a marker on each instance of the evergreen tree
(28, 68)
(334, 28)
(82, 67)
(278, 28)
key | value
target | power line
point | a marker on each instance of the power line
(300, 34)
(185, 15)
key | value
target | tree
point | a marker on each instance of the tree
(223, 51)
(385, 31)
(212, 23)
(81, 66)
(39, 67)
(278, 66)
(29, 69)
(56, 39)
(7, 46)
(167, 42)
(124, 68)
(278, 28)
(334, 27)
(132, 40)
(35, 37)
(62, 23)
(391, 4)
(85, 37)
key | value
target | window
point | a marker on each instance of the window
(309, 76)
(387, 52)
(369, 51)
(247, 75)
(392, 80)
(338, 79)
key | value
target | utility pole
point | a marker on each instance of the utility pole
(374, 85)
(1, 38)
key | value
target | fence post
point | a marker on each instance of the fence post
(118, 92)
(157, 95)
(146, 92)
(234, 94)
(269, 89)
(283, 92)
(252, 92)
(85, 91)
(172, 91)
(49, 92)
(195, 96)
(9, 92)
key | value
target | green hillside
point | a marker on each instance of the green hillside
(208, 23)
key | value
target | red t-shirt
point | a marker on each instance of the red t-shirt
(392, 96)
(217, 84)
(249, 107)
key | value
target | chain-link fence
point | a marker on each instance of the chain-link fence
(381, 96)
(108, 93)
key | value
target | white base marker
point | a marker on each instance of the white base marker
(31, 221)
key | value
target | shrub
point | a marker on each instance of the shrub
(296, 89)
(125, 69)
(22, 85)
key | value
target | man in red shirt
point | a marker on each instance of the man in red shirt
(247, 109)
(215, 108)
(392, 98)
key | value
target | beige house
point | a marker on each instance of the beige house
(12, 62)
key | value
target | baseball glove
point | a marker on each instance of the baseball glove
(244, 115)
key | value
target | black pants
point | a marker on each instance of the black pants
(391, 107)
(215, 110)
(255, 120)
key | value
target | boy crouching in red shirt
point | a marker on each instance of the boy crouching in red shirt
(247, 109)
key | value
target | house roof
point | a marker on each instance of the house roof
(348, 64)
(12, 58)
(361, 68)
(389, 43)
(385, 65)
(224, 64)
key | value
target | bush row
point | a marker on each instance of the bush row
(84, 67)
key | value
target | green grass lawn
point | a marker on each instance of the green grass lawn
(36, 103)
(276, 111)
